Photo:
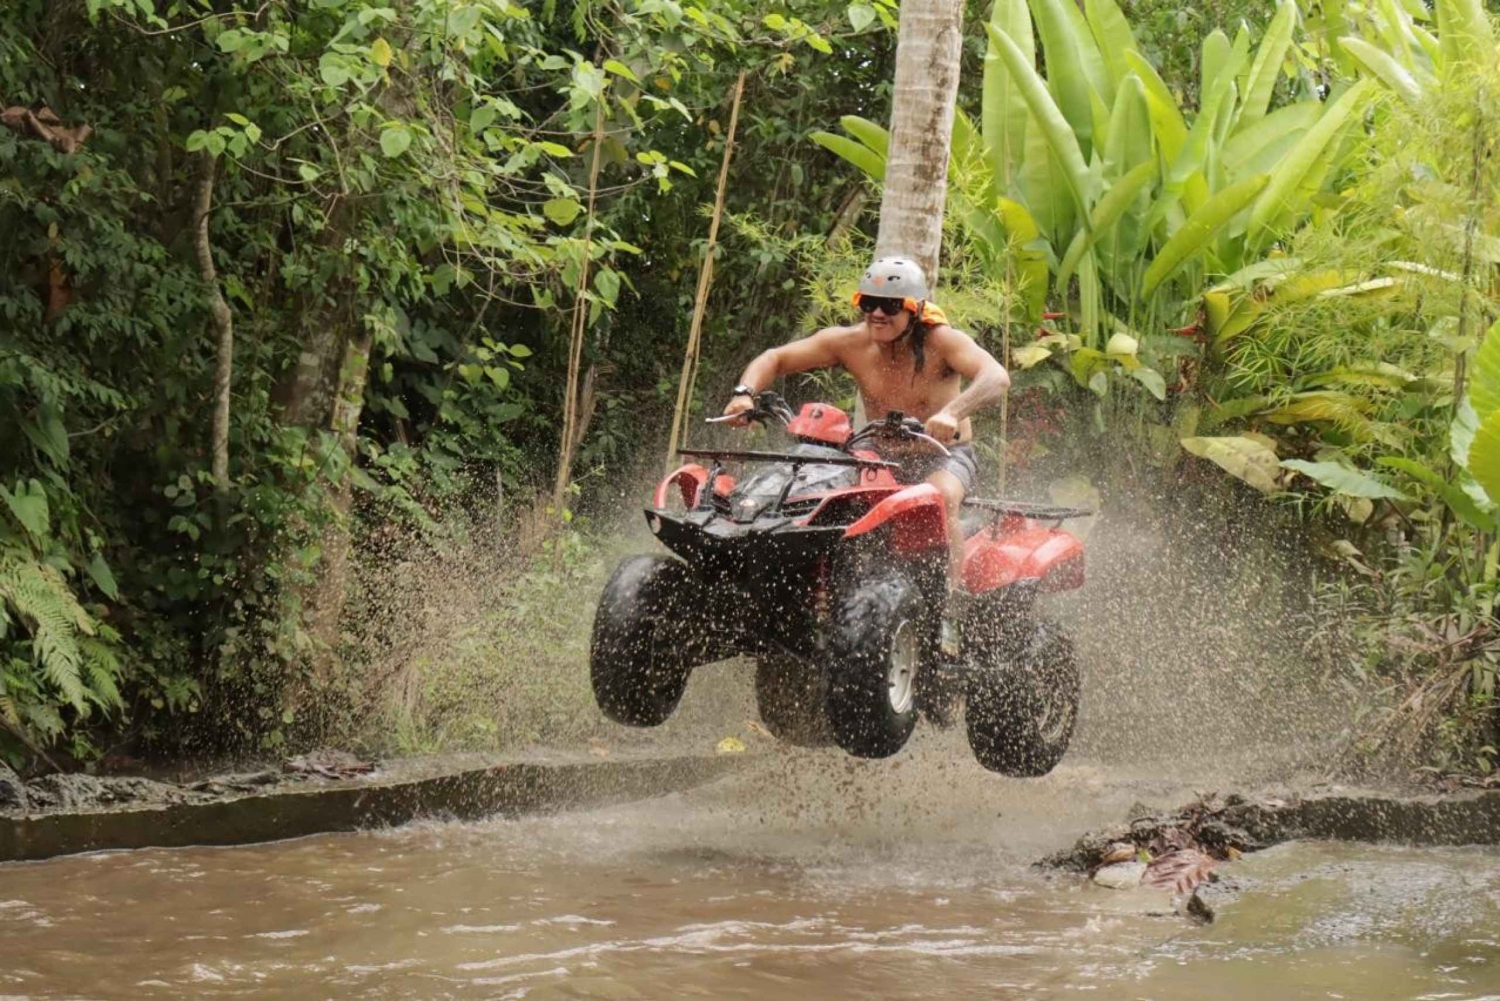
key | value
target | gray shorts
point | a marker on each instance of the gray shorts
(960, 461)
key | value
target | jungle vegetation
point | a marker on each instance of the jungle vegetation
(281, 280)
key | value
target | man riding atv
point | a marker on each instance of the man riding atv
(903, 356)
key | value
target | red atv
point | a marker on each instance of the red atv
(833, 576)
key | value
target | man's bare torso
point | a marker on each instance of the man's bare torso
(888, 380)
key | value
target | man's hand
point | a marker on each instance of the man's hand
(737, 408)
(942, 426)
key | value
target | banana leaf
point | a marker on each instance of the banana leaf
(1003, 112)
(1430, 47)
(1048, 199)
(1484, 455)
(1129, 141)
(1322, 406)
(1248, 459)
(1345, 480)
(1284, 194)
(875, 136)
(1386, 69)
(1200, 230)
(1254, 149)
(1028, 255)
(1215, 49)
(1394, 25)
(1121, 196)
(1048, 119)
(1091, 58)
(1090, 299)
(1267, 64)
(1194, 153)
(1112, 33)
(866, 159)
(1166, 117)
(1069, 68)
(1484, 383)
(1461, 433)
(1464, 34)
(1462, 505)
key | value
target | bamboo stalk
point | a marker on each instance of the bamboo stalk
(1010, 278)
(1471, 225)
(705, 277)
(580, 324)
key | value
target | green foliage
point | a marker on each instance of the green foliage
(55, 656)
(401, 191)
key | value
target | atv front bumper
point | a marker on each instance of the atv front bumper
(718, 547)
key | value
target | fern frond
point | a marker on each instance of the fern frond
(103, 671)
(46, 605)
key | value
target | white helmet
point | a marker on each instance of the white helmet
(895, 278)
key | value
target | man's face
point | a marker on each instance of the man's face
(886, 319)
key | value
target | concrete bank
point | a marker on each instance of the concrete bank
(220, 812)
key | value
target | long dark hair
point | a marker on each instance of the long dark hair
(918, 329)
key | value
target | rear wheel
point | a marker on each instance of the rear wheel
(1022, 708)
(876, 652)
(644, 641)
(791, 694)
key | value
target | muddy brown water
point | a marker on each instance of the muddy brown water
(803, 875)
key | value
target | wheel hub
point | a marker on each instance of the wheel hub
(901, 668)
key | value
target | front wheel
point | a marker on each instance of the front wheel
(1022, 707)
(876, 652)
(644, 641)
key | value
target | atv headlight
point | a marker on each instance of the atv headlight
(654, 523)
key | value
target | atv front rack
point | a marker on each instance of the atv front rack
(721, 455)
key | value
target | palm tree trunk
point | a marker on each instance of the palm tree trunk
(928, 47)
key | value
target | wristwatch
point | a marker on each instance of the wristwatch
(743, 390)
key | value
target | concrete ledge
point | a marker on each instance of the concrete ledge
(1462, 819)
(507, 789)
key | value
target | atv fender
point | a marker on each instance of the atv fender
(689, 480)
(917, 516)
(1034, 552)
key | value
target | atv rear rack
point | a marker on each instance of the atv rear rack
(1027, 509)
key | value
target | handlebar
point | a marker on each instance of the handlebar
(897, 425)
(769, 404)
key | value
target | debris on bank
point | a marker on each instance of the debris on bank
(1182, 851)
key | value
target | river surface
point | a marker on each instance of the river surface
(804, 875)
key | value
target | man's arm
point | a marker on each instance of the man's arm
(821, 350)
(987, 379)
